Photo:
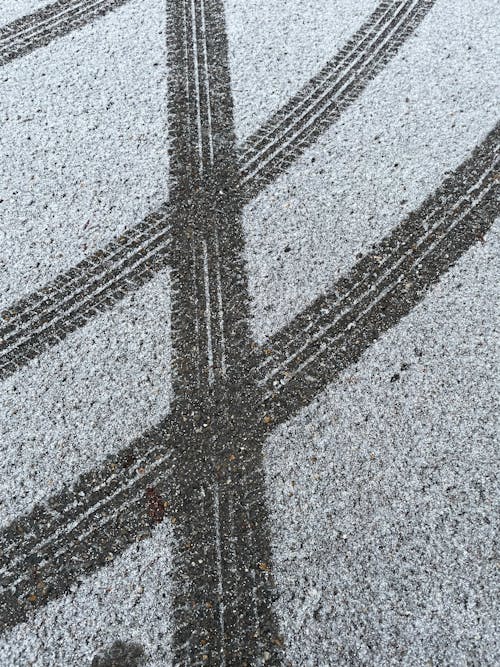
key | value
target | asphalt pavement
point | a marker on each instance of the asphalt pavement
(249, 333)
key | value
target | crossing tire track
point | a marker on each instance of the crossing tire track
(210, 337)
(466, 205)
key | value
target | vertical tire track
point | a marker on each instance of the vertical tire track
(215, 565)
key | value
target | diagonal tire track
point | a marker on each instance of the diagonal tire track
(38, 29)
(45, 569)
(44, 318)
(273, 148)
(367, 279)
(39, 321)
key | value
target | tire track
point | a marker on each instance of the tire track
(38, 29)
(102, 514)
(210, 483)
(45, 317)
(398, 270)
(38, 321)
(273, 148)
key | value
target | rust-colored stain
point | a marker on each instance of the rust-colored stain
(156, 505)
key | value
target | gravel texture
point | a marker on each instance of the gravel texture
(384, 492)
(84, 132)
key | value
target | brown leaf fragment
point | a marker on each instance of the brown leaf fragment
(156, 505)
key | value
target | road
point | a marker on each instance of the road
(249, 312)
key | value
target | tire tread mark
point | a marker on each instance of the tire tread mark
(95, 284)
(470, 194)
(283, 139)
(38, 29)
